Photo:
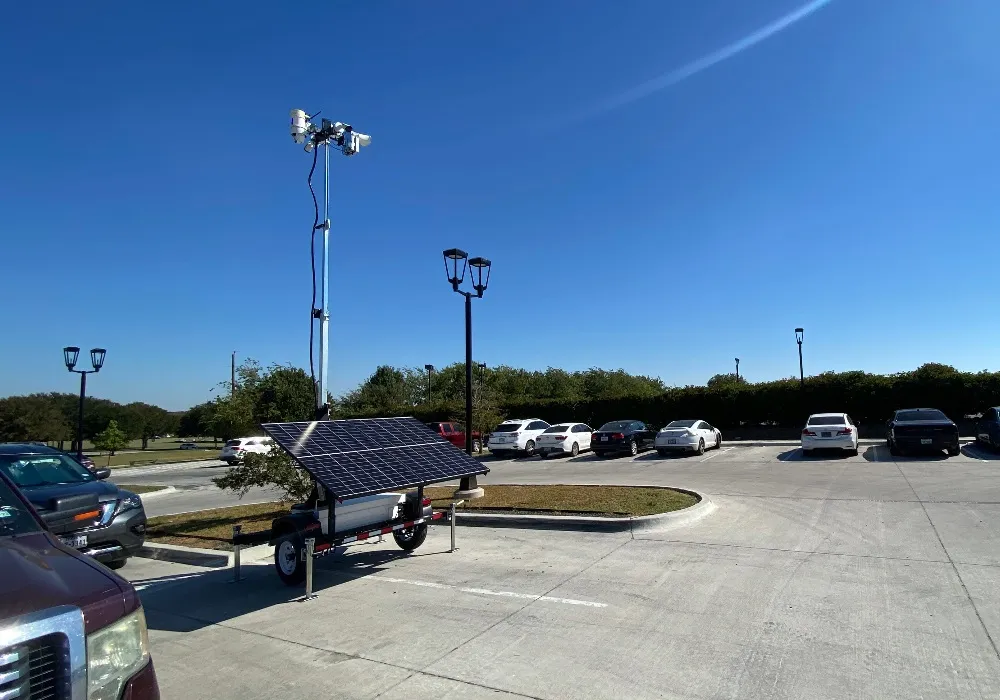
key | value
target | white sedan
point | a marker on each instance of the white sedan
(571, 438)
(834, 431)
(688, 436)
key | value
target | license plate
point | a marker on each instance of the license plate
(926, 441)
(604, 438)
(825, 433)
(75, 541)
(671, 441)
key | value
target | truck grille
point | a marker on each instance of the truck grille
(33, 671)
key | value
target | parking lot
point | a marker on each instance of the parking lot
(815, 577)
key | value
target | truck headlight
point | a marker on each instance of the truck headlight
(128, 501)
(114, 654)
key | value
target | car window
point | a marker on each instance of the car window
(826, 420)
(638, 426)
(507, 428)
(849, 421)
(27, 471)
(446, 427)
(920, 414)
(233, 443)
(559, 429)
(537, 425)
(14, 517)
(706, 426)
(615, 425)
(682, 424)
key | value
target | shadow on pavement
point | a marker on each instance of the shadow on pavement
(817, 455)
(977, 451)
(191, 601)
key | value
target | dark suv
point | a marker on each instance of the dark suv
(921, 429)
(69, 628)
(86, 512)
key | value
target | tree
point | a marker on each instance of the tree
(730, 379)
(34, 417)
(144, 421)
(112, 438)
(271, 469)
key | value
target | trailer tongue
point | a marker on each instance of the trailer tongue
(359, 467)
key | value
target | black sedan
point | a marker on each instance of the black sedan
(622, 436)
(79, 506)
(921, 429)
(988, 428)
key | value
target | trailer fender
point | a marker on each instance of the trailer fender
(302, 524)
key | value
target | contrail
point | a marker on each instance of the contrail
(675, 76)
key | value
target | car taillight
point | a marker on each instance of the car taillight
(845, 431)
(806, 431)
(618, 436)
(558, 437)
(237, 449)
(426, 502)
(514, 434)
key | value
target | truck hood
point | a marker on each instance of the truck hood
(41, 497)
(39, 573)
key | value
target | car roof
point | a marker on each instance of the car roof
(817, 415)
(23, 448)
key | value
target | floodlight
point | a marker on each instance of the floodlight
(300, 125)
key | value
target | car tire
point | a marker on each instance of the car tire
(954, 451)
(410, 539)
(477, 446)
(718, 441)
(662, 453)
(529, 448)
(633, 447)
(574, 450)
(701, 447)
(288, 560)
(116, 564)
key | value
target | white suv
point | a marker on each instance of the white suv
(516, 435)
(235, 450)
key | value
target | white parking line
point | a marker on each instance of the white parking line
(716, 454)
(486, 591)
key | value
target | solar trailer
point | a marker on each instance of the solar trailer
(365, 468)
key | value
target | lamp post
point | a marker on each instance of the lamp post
(737, 369)
(70, 356)
(430, 372)
(452, 257)
(799, 333)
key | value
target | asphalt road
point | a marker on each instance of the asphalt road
(814, 578)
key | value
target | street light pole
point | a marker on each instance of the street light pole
(232, 376)
(469, 487)
(737, 369)
(430, 373)
(71, 355)
(799, 334)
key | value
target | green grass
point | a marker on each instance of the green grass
(141, 488)
(213, 529)
(125, 459)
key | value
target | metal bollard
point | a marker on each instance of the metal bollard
(310, 546)
(236, 554)
(453, 547)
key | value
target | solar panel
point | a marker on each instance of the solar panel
(363, 456)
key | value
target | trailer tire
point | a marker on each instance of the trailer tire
(288, 559)
(411, 538)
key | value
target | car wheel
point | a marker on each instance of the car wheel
(574, 450)
(701, 447)
(410, 538)
(954, 451)
(288, 560)
(529, 448)
(477, 446)
(633, 448)
(116, 564)
(662, 453)
(718, 441)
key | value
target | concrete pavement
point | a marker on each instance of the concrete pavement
(814, 578)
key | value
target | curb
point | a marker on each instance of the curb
(196, 556)
(159, 492)
(640, 523)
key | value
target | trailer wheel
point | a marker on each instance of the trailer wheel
(410, 538)
(288, 560)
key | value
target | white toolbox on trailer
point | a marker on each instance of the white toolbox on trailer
(362, 512)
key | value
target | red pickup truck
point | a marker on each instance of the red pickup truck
(455, 434)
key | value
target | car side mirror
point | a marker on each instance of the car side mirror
(102, 474)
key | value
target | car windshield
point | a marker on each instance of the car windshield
(921, 414)
(14, 518)
(557, 429)
(233, 443)
(507, 428)
(826, 420)
(616, 425)
(682, 424)
(43, 470)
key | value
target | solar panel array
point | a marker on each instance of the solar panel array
(363, 456)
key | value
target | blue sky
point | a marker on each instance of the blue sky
(840, 175)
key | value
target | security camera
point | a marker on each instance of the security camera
(353, 141)
(300, 125)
